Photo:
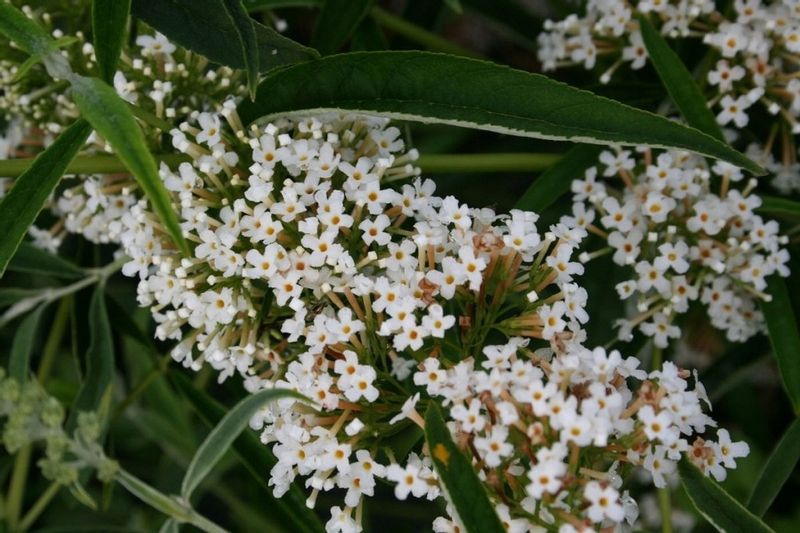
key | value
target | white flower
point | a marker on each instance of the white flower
(657, 426)
(361, 385)
(372, 230)
(493, 446)
(728, 450)
(603, 502)
(545, 477)
(673, 256)
(408, 480)
(155, 45)
(436, 322)
(431, 376)
(210, 132)
(733, 110)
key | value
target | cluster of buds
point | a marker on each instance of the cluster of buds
(682, 241)
(759, 45)
(31, 415)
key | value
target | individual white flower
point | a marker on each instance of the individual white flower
(603, 502)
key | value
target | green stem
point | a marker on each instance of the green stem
(54, 340)
(92, 164)
(149, 118)
(16, 490)
(499, 162)
(412, 32)
(40, 505)
(665, 505)
(430, 164)
(658, 357)
(167, 505)
(96, 275)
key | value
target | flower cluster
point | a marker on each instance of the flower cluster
(682, 241)
(312, 271)
(160, 78)
(554, 437)
(758, 50)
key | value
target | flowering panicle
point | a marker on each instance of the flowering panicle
(682, 241)
(545, 430)
(311, 271)
(160, 78)
(757, 49)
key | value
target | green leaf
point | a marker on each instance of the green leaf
(460, 91)
(368, 36)
(777, 470)
(201, 25)
(22, 346)
(454, 5)
(336, 23)
(248, 40)
(779, 207)
(783, 336)
(556, 180)
(460, 484)
(109, 28)
(99, 359)
(13, 295)
(717, 506)
(33, 39)
(223, 435)
(28, 35)
(679, 82)
(33, 260)
(152, 497)
(19, 208)
(177, 510)
(256, 457)
(112, 119)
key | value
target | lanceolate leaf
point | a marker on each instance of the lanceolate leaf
(466, 92)
(202, 26)
(26, 33)
(256, 457)
(779, 467)
(112, 119)
(717, 506)
(679, 82)
(779, 207)
(34, 260)
(336, 23)
(223, 435)
(33, 39)
(19, 208)
(556, 180)
(246, 34)
(22, 346)
(176, 509)
(109, 26)
(99, 358)
(459, 482)
(784, 337)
